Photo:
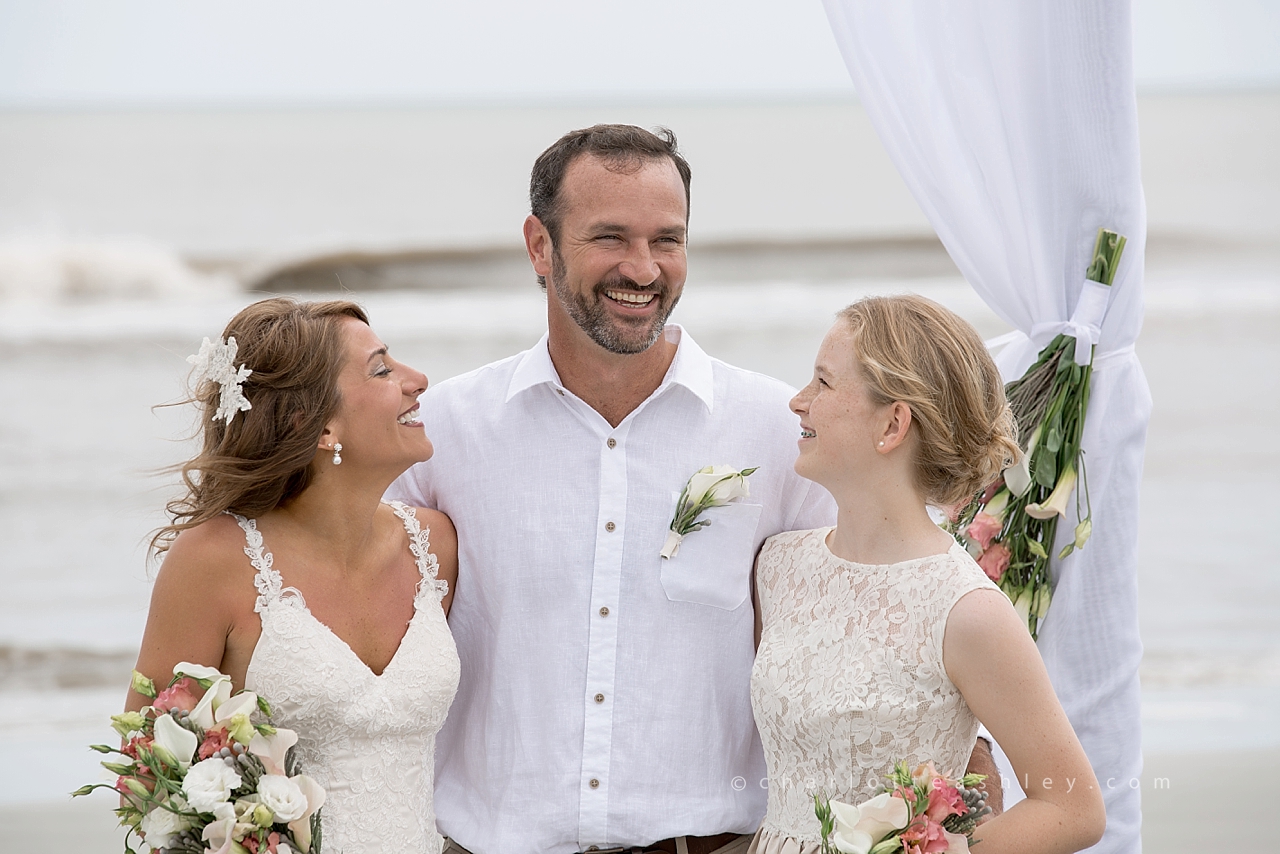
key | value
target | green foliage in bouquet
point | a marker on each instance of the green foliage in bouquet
(196, 772)
(1010, 527)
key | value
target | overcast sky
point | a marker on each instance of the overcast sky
(307, 52)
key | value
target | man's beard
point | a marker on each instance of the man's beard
(591, 315)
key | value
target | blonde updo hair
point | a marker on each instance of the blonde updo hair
(262, 458)
(913, 350)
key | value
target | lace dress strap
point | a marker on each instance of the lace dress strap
(420, 546)
(268, 581)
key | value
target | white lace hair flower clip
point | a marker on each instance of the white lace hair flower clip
(216, 362)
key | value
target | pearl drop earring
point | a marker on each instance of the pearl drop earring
(337, 453)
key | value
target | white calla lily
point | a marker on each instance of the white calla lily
(859, 828)
(220, 833)
(301, 826)
(271, 749)
(1018, 476)
(1057, 503)
(718, 485)
(244, 703)
(176, 739)
(196, 671)
(215, 696)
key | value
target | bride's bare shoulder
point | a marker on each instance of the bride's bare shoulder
(210, 553)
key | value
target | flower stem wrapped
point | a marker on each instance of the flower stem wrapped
(711, 486)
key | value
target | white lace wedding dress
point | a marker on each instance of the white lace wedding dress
(368, 739)
(848, 680)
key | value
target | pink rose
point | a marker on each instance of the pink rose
(983, 529)
(138, 741)
(944, 800)
(214, 740)
(995, 561)
(925, 837)
(182, 695)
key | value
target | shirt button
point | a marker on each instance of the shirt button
(560, 392)
(612, 443)
(595, 784)
(604, 612)
(610, 527)
(599, 698)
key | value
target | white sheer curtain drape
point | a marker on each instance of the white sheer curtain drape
(1014, 124)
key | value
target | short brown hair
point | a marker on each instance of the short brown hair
(262, 458)
(623, 147)
(911, 349)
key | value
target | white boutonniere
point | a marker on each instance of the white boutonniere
(712, 486)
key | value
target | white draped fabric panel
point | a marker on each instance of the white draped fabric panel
(1014, 124)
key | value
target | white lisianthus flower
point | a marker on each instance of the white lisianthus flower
(160, 826)
(176, 739)
(282, 796)
(209, 783)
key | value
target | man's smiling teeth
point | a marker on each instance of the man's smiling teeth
(807, 434)
(627, 298)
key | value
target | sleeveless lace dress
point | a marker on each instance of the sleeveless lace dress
(848, 680)
(369, 740)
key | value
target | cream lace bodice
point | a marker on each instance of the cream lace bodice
(368, 739)
(848, 679)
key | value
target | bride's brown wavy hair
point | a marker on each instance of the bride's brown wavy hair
(263, 458)
(911, 349)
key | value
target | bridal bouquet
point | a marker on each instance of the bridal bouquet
(1010, 527)
(202, 771)
(919, 812)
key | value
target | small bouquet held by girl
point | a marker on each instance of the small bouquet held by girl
(919, 812)
(204, 771)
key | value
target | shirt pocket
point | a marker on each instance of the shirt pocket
(713, 566)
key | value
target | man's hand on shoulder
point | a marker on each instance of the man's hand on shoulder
(982, 762)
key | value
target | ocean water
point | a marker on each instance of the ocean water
(81, 440)
(100, 302)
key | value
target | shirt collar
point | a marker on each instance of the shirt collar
(691, 368)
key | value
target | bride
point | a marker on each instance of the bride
(882, 641)
(283, 568)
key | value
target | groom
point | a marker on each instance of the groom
(605, 694)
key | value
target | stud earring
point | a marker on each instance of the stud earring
(337, 453)
(881, 444)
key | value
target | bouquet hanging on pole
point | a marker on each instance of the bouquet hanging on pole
(1010, 527)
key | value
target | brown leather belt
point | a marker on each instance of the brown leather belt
(695, 845)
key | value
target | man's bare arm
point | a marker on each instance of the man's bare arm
(982, 762)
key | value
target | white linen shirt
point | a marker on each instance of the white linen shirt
(605, 692)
